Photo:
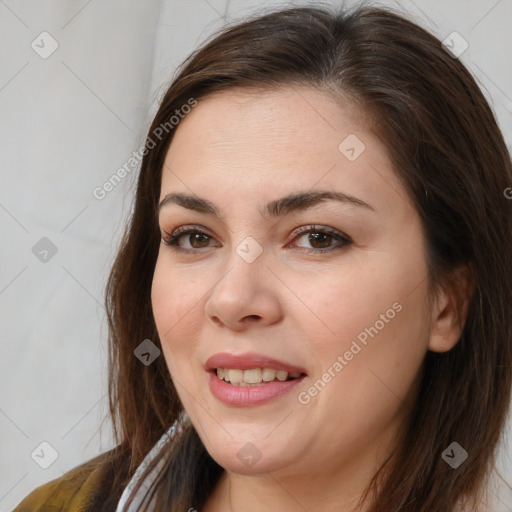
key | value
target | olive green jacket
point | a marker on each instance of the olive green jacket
(85, 488)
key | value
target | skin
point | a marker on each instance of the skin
(240, 149)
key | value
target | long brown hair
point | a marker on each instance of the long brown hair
(448, 152)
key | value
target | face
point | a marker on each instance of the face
(328, 295)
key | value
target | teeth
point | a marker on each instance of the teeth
(268, 374)
(280, 375)
(234, 376)
(254, 376)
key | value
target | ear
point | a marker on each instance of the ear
(450, 309)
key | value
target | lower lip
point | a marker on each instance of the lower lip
(247, 396)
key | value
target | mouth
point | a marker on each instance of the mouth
(254, 376)
(251, 379)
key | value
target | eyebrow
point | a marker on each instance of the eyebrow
(298, 201)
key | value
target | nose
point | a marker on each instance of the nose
(246, 295)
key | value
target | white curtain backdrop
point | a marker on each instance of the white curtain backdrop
(79, 83)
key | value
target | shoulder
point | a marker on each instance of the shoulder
(77, 490)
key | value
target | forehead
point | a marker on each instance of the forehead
(249, 118)
(265, 142)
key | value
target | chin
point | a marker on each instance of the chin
(248, 461)
(249, 454)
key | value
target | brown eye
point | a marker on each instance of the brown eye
(196, 238)
(322, 239)
(199, 239)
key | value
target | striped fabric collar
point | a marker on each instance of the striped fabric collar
(141, 497)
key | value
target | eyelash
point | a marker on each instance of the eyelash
(172, 239)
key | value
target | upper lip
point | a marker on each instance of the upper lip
(248, 361)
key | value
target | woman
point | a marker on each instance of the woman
(311, 306)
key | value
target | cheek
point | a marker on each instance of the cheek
(374, 317)
(365, 373)
(341, 303)
(174, 301)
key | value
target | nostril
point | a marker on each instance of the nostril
(216, 320)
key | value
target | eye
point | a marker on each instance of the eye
(322, 238)
(199, 240)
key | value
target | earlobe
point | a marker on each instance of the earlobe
(450, 310)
